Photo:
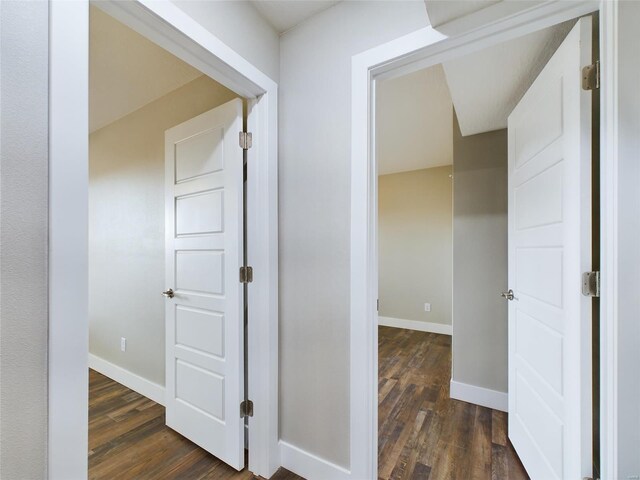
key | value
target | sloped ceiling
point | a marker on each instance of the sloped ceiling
(284, 15)
(414, 123)
(127, 71)
(485, 86)
(444, 11)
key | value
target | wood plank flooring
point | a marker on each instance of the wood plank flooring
(129, 440)
(422, 433)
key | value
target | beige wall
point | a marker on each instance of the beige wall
(415, 244)
(126, 228)
(480, 259)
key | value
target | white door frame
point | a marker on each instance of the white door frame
(172, 29)
(418, 50)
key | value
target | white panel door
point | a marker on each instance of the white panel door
(549, 248)
(204, 251)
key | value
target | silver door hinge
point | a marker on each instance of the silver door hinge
(246, 140)
(246, 274)
(591, 284)
(377, 305)
(246, 409)
(591, 76)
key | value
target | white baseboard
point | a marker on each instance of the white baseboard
(310, 466)
(130, 380)
(415, 325)
(480, 396)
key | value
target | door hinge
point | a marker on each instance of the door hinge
(591, 284)
(378, 305)
(246, 140)
(246, 409)
(246, 274)
(591, 76)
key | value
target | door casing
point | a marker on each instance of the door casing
(172, 29)
(416, 51)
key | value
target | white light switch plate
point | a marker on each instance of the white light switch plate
(123, 344)
(427, 307)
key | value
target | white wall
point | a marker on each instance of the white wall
(126, 228)
(239, 25)
(315, 90)
(415, 244)
(479, 349)
(23, 238)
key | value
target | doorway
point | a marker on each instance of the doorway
(153, 117)
(68, 375)
(474, 303)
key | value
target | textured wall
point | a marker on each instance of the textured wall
(24, 96)
(315, 166)
(480, 259)
(415, 244)
(126, 228)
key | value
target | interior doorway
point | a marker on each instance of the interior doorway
(460, 384)
(165, 206)
(189, 86)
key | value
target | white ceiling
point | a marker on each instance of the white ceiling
(444, 11)
(485, 86)
(127, 71)
(414, 122)
(284, 15)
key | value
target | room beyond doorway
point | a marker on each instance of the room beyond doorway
(422, 432)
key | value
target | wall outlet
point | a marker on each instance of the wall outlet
(123, 344)
(427, 307)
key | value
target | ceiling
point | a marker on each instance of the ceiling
(283, 15)
(414, 122)
(127, 71)
(444, 11)
(414, 127)
(485, 86)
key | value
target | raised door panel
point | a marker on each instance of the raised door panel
(549, 246)
(204, 323)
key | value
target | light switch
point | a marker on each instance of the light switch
(427, 307)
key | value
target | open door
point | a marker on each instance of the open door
(204, 310)
(549, 249)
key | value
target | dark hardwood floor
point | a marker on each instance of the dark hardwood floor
(129, 440)
(422, 433)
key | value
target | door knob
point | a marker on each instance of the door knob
(168, 293)
(508, 295)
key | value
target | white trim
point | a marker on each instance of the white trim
(415, 325)
(418, 50)
(310, 466)
(479, 396)
(609, 415)
(68, 246)
(172, 29)
(144, 387)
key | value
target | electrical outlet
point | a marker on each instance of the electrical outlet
(123, 344)
(427, 307)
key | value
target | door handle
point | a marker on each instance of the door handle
(508, 295)
(168, 293)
